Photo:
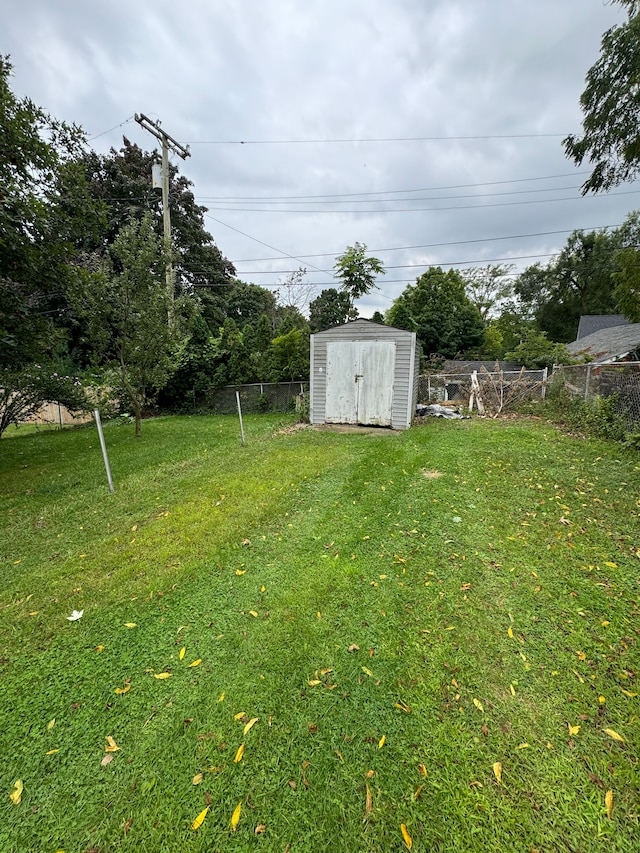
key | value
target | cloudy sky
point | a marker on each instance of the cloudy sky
(430, 130)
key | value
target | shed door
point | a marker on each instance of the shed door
(360, 382)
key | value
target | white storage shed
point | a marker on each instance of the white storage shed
(364, 373)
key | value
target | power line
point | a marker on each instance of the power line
(115, 127)
(376, 139)
(388, 192)
(423, 209)
(255, 239)
(435, 245)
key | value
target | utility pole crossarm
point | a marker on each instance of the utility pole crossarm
(154, 128)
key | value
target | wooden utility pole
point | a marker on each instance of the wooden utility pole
(182, 151)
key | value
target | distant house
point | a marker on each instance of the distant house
(591, 323)
(609, 344)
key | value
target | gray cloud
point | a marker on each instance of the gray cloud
(259, 70)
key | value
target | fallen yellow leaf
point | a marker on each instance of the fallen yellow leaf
(111, 746)
(241, 571)
(628, 693)
(221, 699)
(608, 801)
(197, 779)
(512, 689)
(478, 705)
(523, 746)
(235, 817)
(381, 742)
(367, 672)
(51, 724)
(510, 631)
(182, 651)
(314, 682)
(611, 565)
(99, 648)
(422, 769)
(239, 715)
(16, 795)
(239, 754)
(417, 793)
(198, 821)
(52, 751)
(253, 613)
(368, 803)
(130, 625)
(405, 835)
(250, 724)
(162, 675)
(614, 735)
(497, 769)
(121, 690)
(196, 662)
(573, 730)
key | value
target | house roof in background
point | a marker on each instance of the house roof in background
(609, 344)
(590, 323)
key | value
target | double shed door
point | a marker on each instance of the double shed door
(360, 378)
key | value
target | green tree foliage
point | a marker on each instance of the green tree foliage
(289, 356)
(330, 308)
(611, 106)
(536, 351)
(357, 272)
(378, 317)
(488, 287)
(578, 281)
(446, 321)
(34, 225)
(626, 278)
(247, 302)
(24, 390)
(126, 306)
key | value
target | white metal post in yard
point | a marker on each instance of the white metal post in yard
(240, 416)
(586, 383)
(96, 414)
(544, 383)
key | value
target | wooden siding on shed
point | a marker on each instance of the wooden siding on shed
(405, 387)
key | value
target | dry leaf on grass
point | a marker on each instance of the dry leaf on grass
(235, 817)
(197, 823)
(614, 735)
(239, 754)
(111, 746)
(16, 795)
(406, 837)
(608, 801)
(497, 769)
(250, 724)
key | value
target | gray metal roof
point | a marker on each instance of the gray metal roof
(609, 344)
(590, 323)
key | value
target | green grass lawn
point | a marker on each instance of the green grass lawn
(436, 629)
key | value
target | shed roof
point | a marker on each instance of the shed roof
(361, 323)
(609, 344)
(590, 323)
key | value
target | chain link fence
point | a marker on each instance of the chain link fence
(256, 398)
(618, 381)
(498, 390)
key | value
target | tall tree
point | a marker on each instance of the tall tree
(611, 106)
(357, 272)
(126, 305)
(121, 181)
(488, 287)
(330, 308)
(578, 281)
(446, 321)
(34, 228)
